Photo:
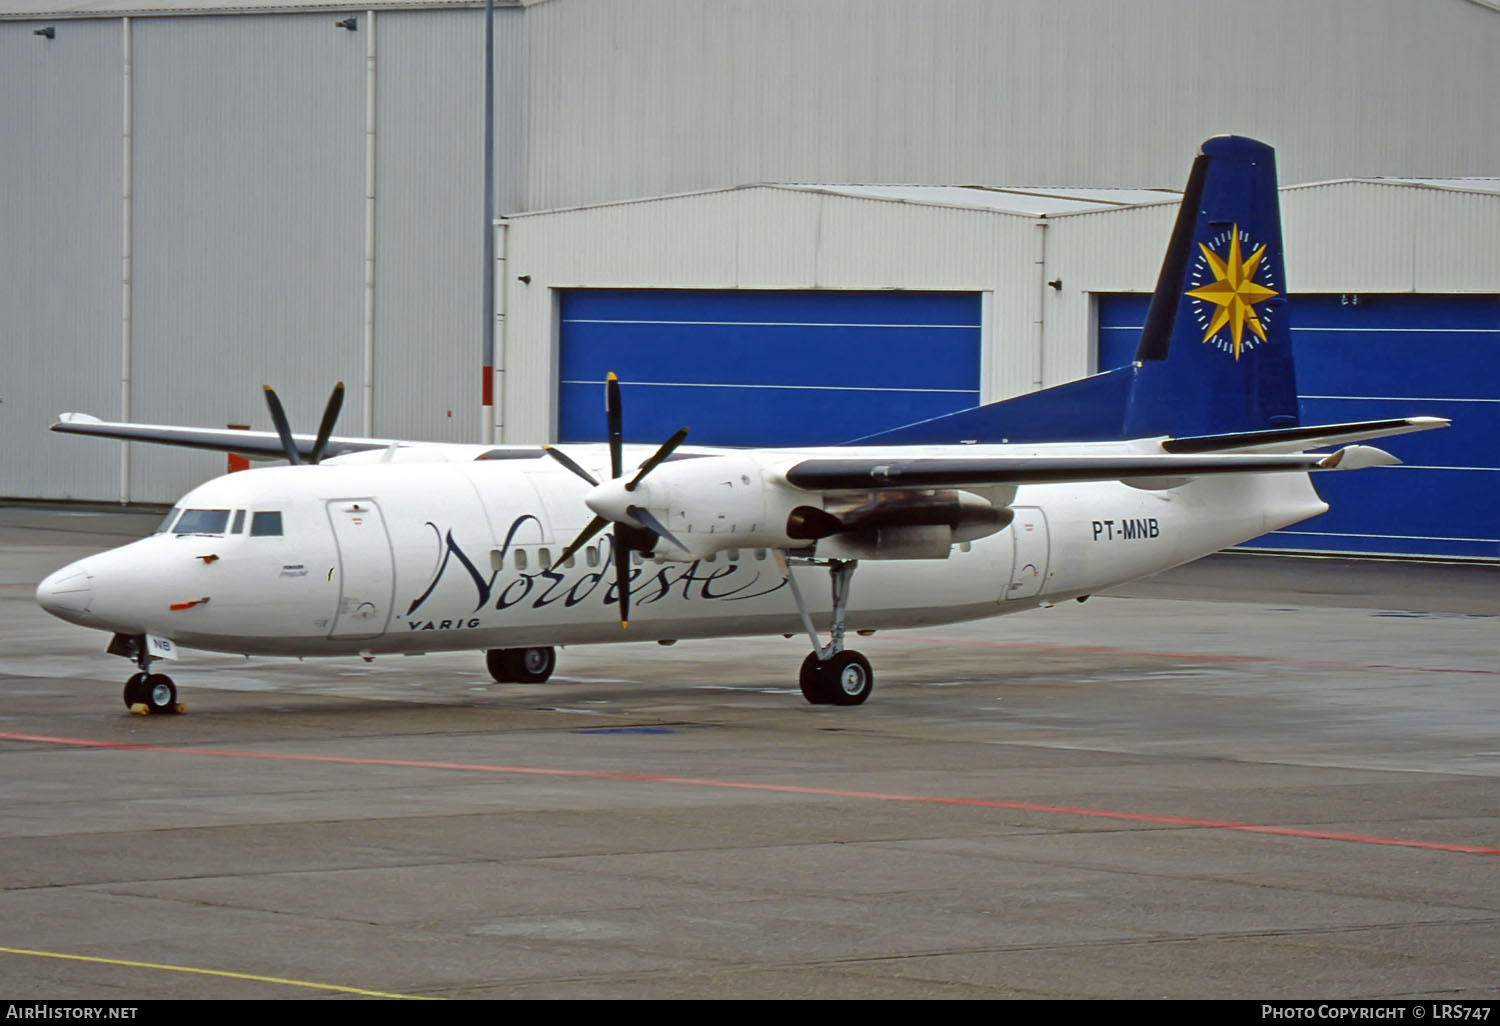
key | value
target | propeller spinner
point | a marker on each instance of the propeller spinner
(639, 535)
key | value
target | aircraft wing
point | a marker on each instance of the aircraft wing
(868, 473)
(247, 443)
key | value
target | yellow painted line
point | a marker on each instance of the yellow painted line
(216, 972)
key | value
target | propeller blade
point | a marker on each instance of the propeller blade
(656, 458)
(562, 458)
(651, 523)
(330, 415)
(612, 418)
(278, 418)
(594, 527)
(622, 578)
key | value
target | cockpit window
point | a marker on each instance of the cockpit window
(202, 521)
(239, 522)
(266, 524)
(166, 521)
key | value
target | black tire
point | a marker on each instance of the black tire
(495, 662)
(849, 678)
(814, 682)
(159, 693)
(521, 665)
(135, 690)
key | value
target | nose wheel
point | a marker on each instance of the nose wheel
(155, 691)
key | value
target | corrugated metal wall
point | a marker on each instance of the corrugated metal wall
(249, 221)
(250, 184)
(248, 175)
(60, 227)
(430, 228)
(661, 96)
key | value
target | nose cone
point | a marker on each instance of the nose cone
(67, 593)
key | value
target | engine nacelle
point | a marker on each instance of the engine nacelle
(712, 503)
(709, 503)
(911, 525)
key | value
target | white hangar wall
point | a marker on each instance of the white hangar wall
(663, 96)
(1340, 237)
(754, 238)
(188, 206)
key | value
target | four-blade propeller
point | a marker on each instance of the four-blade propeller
(325, 427)
(639, 536)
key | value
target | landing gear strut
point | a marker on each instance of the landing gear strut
(831, 674)
(155, 691)
(521, 665)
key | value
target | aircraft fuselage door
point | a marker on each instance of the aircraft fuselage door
(366, 569)
(1029, 571)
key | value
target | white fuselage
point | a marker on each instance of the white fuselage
(385, 557)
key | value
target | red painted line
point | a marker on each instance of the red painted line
(1197, 656)
(739, 785)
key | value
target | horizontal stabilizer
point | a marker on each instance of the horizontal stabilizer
(1297, 439)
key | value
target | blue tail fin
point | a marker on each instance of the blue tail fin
(1215, 353)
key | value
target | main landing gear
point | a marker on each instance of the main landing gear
(831, 674)
(521, 665)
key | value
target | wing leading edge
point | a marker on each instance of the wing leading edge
(869, 473)
(248, 443)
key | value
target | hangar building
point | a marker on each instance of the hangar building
(204, 195)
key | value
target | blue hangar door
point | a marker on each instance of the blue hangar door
(1368, 357)
(763, 367)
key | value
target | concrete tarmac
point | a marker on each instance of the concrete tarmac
(1253, 777)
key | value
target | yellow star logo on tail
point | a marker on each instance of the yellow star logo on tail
(1234, 291)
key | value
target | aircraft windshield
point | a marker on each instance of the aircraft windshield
(202, 521)
(166, 521)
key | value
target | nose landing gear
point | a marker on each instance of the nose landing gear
(154, 691)
(145, 692)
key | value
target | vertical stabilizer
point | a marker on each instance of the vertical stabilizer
(1215, 352)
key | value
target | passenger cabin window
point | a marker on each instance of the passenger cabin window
(266, 524)
(520, 559)
(591, 556)
(239, 522)
(202, 521)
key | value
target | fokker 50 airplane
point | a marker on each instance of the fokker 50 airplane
(366, 547)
